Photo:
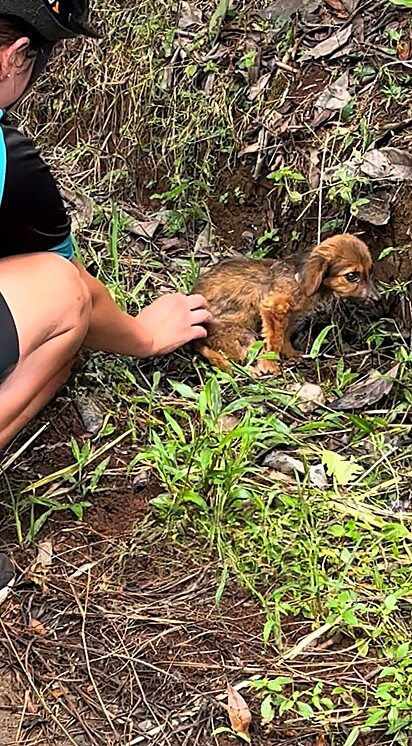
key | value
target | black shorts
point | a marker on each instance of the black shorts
(9, 341)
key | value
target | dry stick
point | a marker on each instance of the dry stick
(5, 465)
(35, 689)
(83, 613)
(322, 168)
(23, 713)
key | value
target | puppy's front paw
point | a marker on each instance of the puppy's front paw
(265, 367)
(290, 353)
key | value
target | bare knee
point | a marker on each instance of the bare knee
(47, 298)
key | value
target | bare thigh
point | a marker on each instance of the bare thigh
(45, 296)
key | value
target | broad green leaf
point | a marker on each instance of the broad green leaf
(175, 426)
(276, 685)
(320, 340)
(342, 469)
(184, 390)
(346, 555)
(306, 710)
(391, 601)
(353, 736)
(266, 710)
(218, 16)
(402, 651)
(375, 717)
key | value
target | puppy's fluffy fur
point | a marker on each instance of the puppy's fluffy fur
(263, 297)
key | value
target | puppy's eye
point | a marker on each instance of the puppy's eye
(353, 276)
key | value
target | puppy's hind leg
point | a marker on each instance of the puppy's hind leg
(214, 358)
(226, 345)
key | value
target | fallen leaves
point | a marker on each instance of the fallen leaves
(378, 209)
(80, 208)
(368, 392)
(342, 469)
(39, 569)
(189, 16)
(333, 98)
(36, 626)
(309, 396)
(343, 7)
(44, 553)
(393, 164)
(239, 714)
(329, 45)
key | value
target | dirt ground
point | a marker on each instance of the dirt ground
(131, 641)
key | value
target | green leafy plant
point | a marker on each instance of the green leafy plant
(287, 177)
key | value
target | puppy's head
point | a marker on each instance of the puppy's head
(341, 265)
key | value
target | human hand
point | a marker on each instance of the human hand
(174, 320)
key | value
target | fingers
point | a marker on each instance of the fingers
(201, 316)
(196, 301)
(198, 332)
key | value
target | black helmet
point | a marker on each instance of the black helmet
(52, 19)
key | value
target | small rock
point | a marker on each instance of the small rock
(317, 476)
(309, 395)
(248, 240)
(90, 413)
(141, 479)
(281, 461)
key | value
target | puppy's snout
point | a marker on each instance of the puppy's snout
(372, 293)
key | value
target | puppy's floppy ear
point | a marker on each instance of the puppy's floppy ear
(312, 272)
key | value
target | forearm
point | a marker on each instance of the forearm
(169, 322)
(111, 329)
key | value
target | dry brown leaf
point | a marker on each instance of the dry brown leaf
(227, 422)
(239, 714)
(257, 89)
(140, 228)
(80, 208)
(189, 16)
(282, 10)
(252, 148)
(388, 163)
(338, 6)
(329, 45)
(278, 476)
(367, 392)
(333, 98)
(320, 740)
(309, 396)
(403, 50)
(44, 553)
(37, 627)
(377, 211)
(204, 240)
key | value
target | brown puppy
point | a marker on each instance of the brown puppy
(264, 297)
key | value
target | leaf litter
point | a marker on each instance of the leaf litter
(239, 714)
(363, 394)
